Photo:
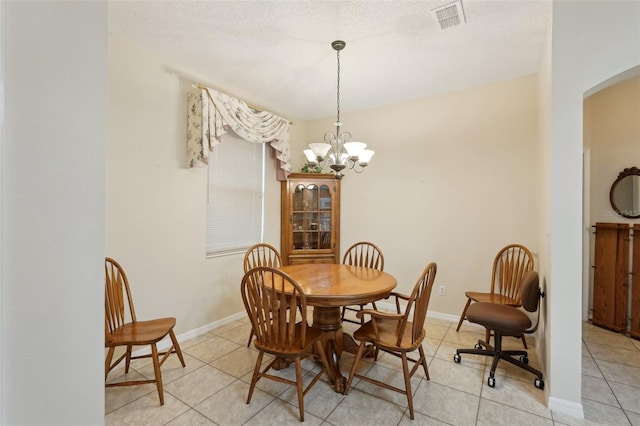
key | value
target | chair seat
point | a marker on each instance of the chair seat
(388, 332)
(500, 318)
(140, 333)
(492, 298)
(295, 348)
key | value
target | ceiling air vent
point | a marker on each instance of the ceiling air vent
(450, 15)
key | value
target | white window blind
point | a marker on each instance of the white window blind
(235, 201)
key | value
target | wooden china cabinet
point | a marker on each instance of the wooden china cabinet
(616, 278)
(310, 219)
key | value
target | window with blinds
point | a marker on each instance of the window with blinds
(235, 196)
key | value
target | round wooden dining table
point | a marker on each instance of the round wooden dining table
(328, 287)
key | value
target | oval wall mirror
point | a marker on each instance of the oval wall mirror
(625, 193)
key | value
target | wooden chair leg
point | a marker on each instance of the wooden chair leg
(299, 388)
(250, 337)
(423, 361)
(464, 313)
(256, 376)
(176, 347)
(354, 366)
(156, 370)
(524, 341)
(325, 361)
(107, 362)
(407, 383)
(128, 360)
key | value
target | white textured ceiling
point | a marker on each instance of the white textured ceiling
(278, 55)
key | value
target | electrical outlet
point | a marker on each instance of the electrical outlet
(441, 291)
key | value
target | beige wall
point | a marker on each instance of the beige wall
(612, 141)
(612, 133)
(454, 179)
(156, 207)
(464, 176)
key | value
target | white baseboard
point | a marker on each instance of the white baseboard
(556, 404)
(165, 343)
(445, 317)
(182, 337)
(208, 327)
(570, 408)
(387, 306)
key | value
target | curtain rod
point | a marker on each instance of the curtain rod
(253, 107)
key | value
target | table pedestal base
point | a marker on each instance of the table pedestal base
(328, 320)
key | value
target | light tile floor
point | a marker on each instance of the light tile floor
(212, 389)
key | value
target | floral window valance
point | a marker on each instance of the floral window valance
(211, 114)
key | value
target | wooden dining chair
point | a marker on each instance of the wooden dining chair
(398, 333)
(270, 297)
(364, 254)
(261, 254)
(122, 329)
(509, 267)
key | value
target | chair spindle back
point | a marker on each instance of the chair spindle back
(271, 299)
(509, 267)
(418, 303)
(262, 254)
(116, 289)
(364, 254)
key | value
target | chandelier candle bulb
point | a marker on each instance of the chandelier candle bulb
(354, 149)
(311, 157)
(320, 150)
(365, 156)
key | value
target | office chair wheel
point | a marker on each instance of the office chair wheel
(456, 358)
(539, 383)
(524, 359)
(478, 346)
(491, 381)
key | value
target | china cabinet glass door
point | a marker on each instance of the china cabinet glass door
(311, 217)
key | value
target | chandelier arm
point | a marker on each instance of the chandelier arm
(345, 137)
(330, 139)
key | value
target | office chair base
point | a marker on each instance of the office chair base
(483, 348)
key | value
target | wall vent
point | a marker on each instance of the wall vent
(450, 15)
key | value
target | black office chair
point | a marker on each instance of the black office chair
(507, 321)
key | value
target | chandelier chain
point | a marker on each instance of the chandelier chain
(338, 97)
